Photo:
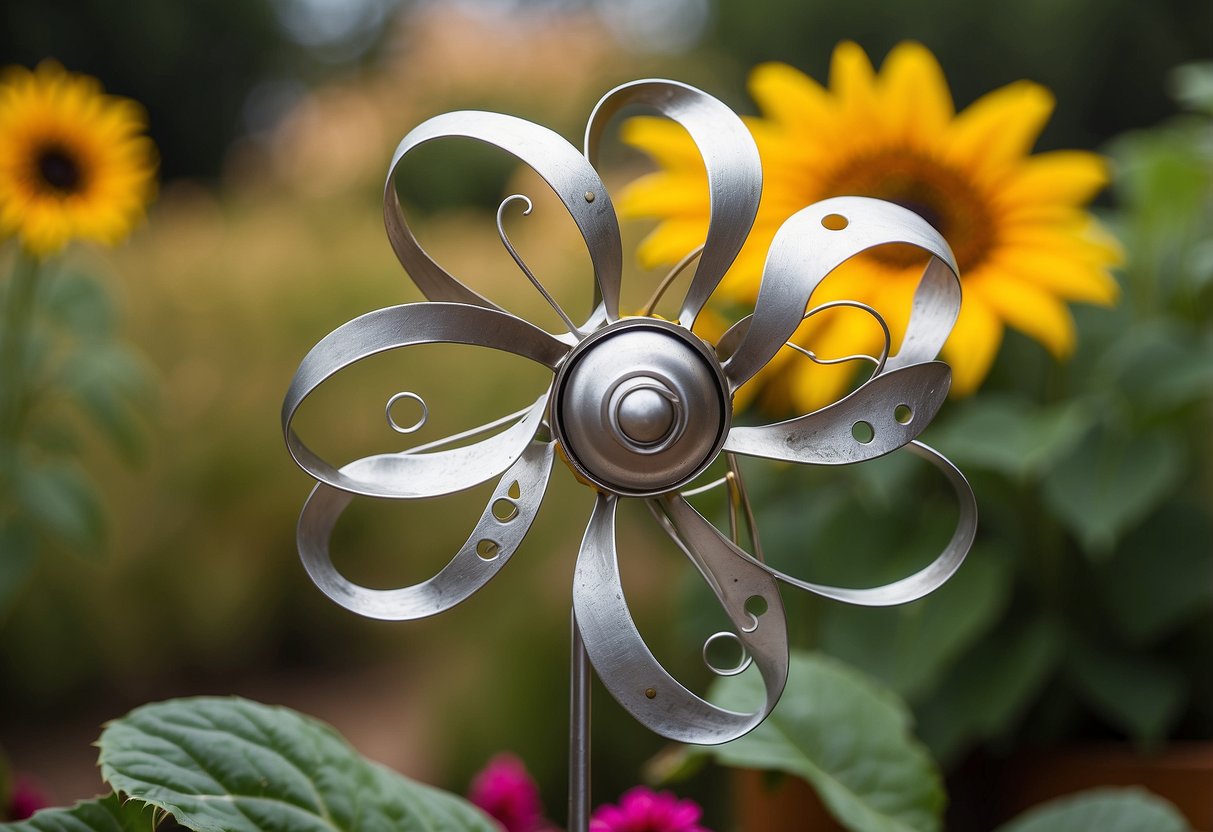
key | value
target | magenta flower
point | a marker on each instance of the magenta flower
(508, 794)
(26, 798)
(644, 810)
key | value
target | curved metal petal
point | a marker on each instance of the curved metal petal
(828, 436)
(408, 476)
(803, 254)
(624, 662)
(732, 162)
(565, 170)
(471, 568)
(926, 580)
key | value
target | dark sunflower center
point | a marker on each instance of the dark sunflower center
(60, 170)
(938, 193)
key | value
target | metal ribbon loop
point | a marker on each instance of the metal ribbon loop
(926, 580)
(624, 662)
(805, 251)
(827, 436)
(733, 167)
(409, 476)
(570, 176)
(490, 545)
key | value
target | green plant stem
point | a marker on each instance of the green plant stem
(14, 343)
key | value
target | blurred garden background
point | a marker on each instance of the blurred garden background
(1083, 619)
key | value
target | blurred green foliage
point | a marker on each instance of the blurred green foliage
(1085, 609)
(66, 374)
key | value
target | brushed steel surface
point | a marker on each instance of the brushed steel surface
(639, 407)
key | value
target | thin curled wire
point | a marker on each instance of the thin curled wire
(668, 280)
(505, 240)
(884, 327)
(421, 420)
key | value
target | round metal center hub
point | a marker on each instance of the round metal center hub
(639, 407)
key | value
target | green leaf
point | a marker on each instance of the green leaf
(1160, 575)
(64, 504)
(1192, 85)
(18, 551)
(1010, 435)
(848, 737)
(987, 691)
(908, 647)
(1138, 694)
(107, 381)
(78, 303)
(106, 814)
(231, 765)
(1110, 482)
(1101, 810)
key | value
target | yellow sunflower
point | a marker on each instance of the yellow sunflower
(1023, 241)
(73, 161)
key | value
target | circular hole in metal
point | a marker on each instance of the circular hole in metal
(863, 432)
(421, 419)
(834, 222)
(724, 647)
(488, 549)
(650, 693)
(514, 491)
(504, 510)
(756, 605)
(903, 414)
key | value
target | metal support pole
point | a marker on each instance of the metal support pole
(579, 734)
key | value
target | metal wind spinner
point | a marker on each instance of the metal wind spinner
(638, 408)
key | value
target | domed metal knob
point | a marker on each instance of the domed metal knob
(640, 407)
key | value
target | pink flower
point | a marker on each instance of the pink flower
(505, 790)
(26, 798)
(644, 810)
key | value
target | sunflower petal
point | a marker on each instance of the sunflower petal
(1030, 309)
(974, 342)
(666, 141)
(1001, 126)
(915, 93)
(790, 98)
(1069, 176)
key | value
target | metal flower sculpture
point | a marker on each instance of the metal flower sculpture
(639, 406)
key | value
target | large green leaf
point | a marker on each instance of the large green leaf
(230, 765)
(850, 738)
(909, 646)
(1139, 694)
(986, 692)
(63, 502)
(1160, 575)
(1101, 810)
(1110, 482)
(1011, 435)
(107, 814)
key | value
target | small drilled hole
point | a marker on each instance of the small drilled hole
(514, 491)
(903, 414)
(863, 432)
(650, 693)
(488, 549)
(756, 605)
(504, 510)
(834, 222)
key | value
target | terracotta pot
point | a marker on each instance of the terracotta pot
(1179, 772)
(987, 792)
(765, 803)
